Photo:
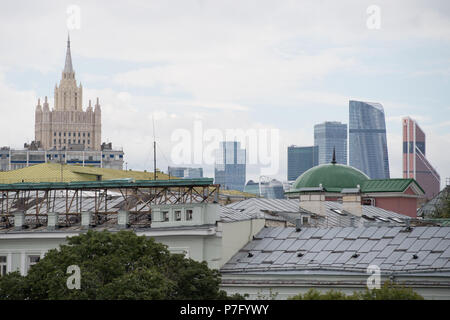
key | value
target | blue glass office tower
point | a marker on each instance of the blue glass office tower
(301, 159)
(329, 136)
(367, 139)
(230, 166)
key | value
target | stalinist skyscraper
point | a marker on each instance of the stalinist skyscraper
(67, 126)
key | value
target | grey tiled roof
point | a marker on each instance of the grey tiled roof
(393, 249)
(229, 214)
(288, 209)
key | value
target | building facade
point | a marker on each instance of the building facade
(415, 164)
(67, 124)
(11, 159)
(230, 166)
(300, 159)
(184, 172)
(329, 136)
(367, 139)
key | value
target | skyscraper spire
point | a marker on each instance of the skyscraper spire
(68, 66)
(333, 161)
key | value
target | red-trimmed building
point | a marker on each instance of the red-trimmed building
(337, 182)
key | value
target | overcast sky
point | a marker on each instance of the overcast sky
(283, 65)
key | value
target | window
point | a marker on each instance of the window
(84, 134)
(54, 141)
(70, 134)
(2, 265)
(78, 134)
(84, 141)
(32, 260)
(69, 140)
(54, 134)
(177, 215)
(59, 134)
(79, 141)
(89, 141)
(89, 134)
(165, 216)
(188, 214)
(64, 134)
(64, 140)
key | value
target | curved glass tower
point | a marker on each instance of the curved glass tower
(367, 139)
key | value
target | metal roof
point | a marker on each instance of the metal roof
(393, 249)
(120, 183)
(289, 210)
(388, 185)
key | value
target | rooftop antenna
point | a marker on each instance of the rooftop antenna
(154, 148)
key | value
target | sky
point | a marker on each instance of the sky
(199, 68)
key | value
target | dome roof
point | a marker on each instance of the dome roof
(333, 178)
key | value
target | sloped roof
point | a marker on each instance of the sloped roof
(388, 185)
(393, 249)
(371, 215)
(51, 172)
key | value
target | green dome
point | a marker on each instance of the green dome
(333, 177)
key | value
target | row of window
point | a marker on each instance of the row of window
(177, 215)
(70, 134)
(70, 141)
(31, 261)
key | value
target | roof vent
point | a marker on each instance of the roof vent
(355, 255)
(415, 256)
(250, 255)
(299, 254)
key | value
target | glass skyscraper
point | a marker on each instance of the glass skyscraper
(367, 139)
(328, 136)
(301, 159)
(230, 166)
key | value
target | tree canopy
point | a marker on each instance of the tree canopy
(389, 291)
(114, 265)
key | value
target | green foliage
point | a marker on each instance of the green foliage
(389, 291)
(115, 266)
(442, 210)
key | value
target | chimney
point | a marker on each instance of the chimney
(86, 219)
(19, 219)
(52, 220)
(352, 204)
(123, 219)
(314, 203)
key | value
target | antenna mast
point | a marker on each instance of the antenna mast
(154, 149)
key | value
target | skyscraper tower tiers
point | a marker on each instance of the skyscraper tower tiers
(67, 125)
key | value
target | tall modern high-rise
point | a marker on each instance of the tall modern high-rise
(367, 139)
(329, 136)
(301, 159)
(230, 166)
(415, 165)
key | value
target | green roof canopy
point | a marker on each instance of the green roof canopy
(333, 178)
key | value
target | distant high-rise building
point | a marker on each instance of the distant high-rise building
(67, 124)
(415, 165)
(301, 159)
(266, 188)
(329, 136)
(184, 172)
(230, 166)
(367, 139)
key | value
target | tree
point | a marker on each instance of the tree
(117, 265)
(389, 291)
(442, 207)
